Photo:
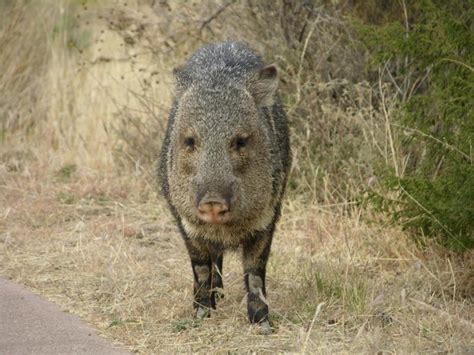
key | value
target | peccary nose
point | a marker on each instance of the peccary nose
(214, 210)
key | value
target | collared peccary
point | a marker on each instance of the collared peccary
(224, 165)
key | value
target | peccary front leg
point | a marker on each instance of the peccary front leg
(255, 255)
(201, 263)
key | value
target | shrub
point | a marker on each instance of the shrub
(431, 62)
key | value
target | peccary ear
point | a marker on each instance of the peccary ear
(263, 85)
(182, 79)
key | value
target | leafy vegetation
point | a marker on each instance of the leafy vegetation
(432, 65)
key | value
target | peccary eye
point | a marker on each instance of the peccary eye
(189, 142)
(240, 143)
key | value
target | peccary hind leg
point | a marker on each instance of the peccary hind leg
(217, 284)
(255, 256)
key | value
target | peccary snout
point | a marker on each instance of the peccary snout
(214, 209)
(214, 200)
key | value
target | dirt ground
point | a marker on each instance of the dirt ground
(104, 247)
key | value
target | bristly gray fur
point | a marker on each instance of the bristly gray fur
(224, 92)
(221, 64)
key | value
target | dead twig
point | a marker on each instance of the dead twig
(214, 16)
(308, 333)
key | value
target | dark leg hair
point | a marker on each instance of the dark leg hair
(217, 261)
(255, 255)
(201, 263)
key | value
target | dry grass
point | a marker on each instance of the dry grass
(105, 248)
(23, 66)
(81, 223)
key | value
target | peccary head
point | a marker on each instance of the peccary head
(220, 163)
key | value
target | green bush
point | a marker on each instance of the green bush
(431, 61)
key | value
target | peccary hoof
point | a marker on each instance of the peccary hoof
(202, 313)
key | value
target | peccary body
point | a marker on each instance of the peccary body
(224, 165)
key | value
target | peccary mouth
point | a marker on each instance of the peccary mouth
(213, 209)
(214, 217)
